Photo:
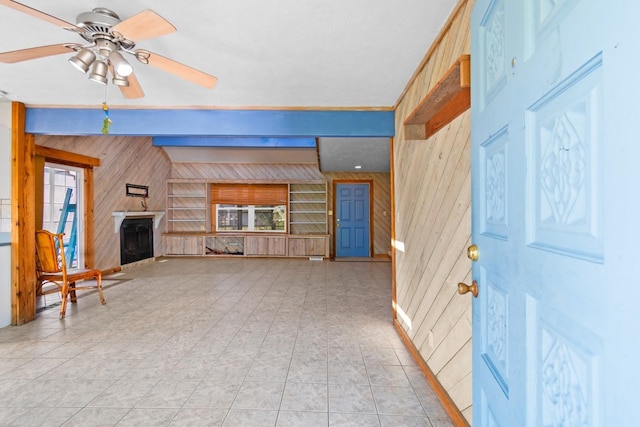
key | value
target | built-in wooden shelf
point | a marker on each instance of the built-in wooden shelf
(191, 231)
(449, 98)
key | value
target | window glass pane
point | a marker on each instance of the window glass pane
(59, 194)
(227, 220)
(269, 218)
(59, 177)
(47, 196)
(263, 220)
(251, 218)
(71, 179)
(280, 217)
(232, 218)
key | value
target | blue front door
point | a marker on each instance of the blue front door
(555, 200)
(352, 220)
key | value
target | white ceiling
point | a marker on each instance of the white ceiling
(336, 54)
(282, 53)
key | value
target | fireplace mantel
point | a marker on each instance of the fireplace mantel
(121, 215)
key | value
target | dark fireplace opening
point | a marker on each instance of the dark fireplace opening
(136, 240)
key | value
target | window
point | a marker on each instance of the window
(250, 207)
(62, 198)
(251, 218)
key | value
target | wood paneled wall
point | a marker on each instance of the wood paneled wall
(132, 160)
(257, 171)
(246, 171)
(432, 190)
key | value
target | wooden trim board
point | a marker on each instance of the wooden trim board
(64, 157)
(449, 98)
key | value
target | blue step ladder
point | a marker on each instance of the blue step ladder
(71, 244)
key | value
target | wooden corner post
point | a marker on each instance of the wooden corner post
(23, 269)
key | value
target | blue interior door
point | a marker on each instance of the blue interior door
(352, 220)
(554, 196)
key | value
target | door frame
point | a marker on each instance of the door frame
(86, 163)
(333, 217)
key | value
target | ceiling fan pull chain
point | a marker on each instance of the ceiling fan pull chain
(107, 121)
(106, 124)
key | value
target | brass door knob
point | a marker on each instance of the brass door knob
(463, 288)
(472, 252)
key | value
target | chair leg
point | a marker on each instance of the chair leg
(72, 292)
(99, 280)
(64, 293)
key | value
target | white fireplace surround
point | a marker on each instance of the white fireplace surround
(119, 216)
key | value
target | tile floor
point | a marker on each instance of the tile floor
(220, 342)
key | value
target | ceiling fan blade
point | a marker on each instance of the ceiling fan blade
(40, 15)
(134, 90)
(145, 25)
(170, 66)
(36, 52)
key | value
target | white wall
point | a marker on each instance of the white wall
(5, 196)
(5, 286)
(5, 150)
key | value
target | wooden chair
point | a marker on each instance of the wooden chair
(51, 267)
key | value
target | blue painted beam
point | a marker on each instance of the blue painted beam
(245, 142)
(239, 123)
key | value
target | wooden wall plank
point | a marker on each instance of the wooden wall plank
(448, 206)
(459, 386)
(246, 171)
(440, 307)
(432, 195)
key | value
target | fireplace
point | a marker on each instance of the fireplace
(136, 239)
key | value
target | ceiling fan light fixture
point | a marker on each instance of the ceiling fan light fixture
(99, 72)
(119, 80)
(83, 60)
(120, 65)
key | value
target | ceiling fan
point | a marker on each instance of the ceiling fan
(107, 37)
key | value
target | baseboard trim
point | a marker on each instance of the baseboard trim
(111, 271)
(448, 404)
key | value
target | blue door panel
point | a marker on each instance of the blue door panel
(554, 213)
(344, 240)
(346, 210)
(360, 239)
(352, 220)
(359, 214)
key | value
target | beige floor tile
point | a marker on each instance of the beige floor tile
(241, 341)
